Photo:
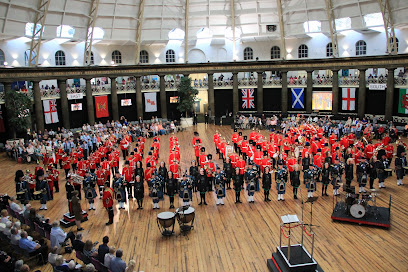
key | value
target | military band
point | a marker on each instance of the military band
(89, 188)
(281, 177)
(186, 190)
(219, 183)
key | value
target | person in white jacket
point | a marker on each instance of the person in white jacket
(58, 236)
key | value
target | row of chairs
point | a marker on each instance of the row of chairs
(15, 249)
(97, 264)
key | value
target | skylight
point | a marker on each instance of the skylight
(373, 19)
(312, 26)
(204, 33)
(65, 31)
(343, 24)
(176, 34)
(29, 30)
(98, 33)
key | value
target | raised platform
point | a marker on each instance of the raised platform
(379, 218)
(300, 260)
(69, 220)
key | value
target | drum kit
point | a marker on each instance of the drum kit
(358, 208)
(185, 216)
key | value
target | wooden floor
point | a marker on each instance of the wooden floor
(237, 237)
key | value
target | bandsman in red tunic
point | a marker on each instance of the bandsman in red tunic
(108, 196)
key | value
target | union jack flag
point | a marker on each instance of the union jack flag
(53, 105)
(248, 99)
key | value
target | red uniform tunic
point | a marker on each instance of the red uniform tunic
(108, 198)
(369, 150)
(389, 150)
(234, 159)
(202, 159)
(210, 165)
(264, 163)
(258, 157)
(241, 165)
(174, 168)
(127, 173)
(291, 163)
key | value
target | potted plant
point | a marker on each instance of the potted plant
(18, 107)
(186, 94)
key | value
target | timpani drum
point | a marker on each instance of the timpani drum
(165, 222)
(185, 218)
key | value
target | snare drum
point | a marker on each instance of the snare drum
(388, 171)
(165, 222)
(37, 195)
(405, 169)
(21, 195)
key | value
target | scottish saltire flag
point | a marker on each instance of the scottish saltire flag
(298, 98)
(248, 99)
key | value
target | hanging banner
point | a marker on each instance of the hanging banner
(2, 128)
(50, 111)
(101, 105)
(76, 107)
(298, 98)
(403, 101)
(348, 99)
(126, 102)
(377, 86)
(150, 102)
(248, 99)
(72, 96)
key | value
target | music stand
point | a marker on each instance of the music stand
(287, 220)
(311, 200)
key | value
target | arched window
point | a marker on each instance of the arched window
(396, 42)
(144, 57)
(59, 58)
(329, 50)
(2, 58)
(248, 53)
(91, 59)
(170, 56)
(275, 52)
(303, 51)
(116, 57)
(361, 48)
(27, 57)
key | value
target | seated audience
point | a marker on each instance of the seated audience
(103, 249)
(109, 256)
(117, 264)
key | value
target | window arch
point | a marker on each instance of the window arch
(170, 56)
(59, 58)
(27, 57)
(275, 52)
(91, 59)
(329, 49)
(116, 57)
(303, 51)
(2, 58)
(396, 42)
(361, 48)
(248, 53)
(144, 57)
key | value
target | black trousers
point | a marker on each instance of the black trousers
(56, 185)
(110, 214)
(78, 188)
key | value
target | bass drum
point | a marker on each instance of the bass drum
(357, 210)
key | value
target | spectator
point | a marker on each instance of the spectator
(60, 265)
(77, 244)
(89, 250)
(7, 229)
(6, 262)
(109, 256)
(90, 268)
(52, 256)
(58, 236)
(33, 248)
(131, 267)
(103, 249)
(117, 264)
(15, 237)
(4, 217)
(14, 206)
(25, 268)
(27, 211)
(18, 265)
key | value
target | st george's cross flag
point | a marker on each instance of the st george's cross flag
(348, 99)
(101, 105)
(50, 111)
(150, 102)
(298, 98)
(248, 99)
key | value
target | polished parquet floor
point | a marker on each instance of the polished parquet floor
(236, 237)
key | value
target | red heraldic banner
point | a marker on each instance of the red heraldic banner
(101, 105)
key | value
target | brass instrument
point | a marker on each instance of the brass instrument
(77, 178)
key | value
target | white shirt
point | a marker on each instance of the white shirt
(57, 236)
(108, 259)
(14, 239)
(15, 207)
